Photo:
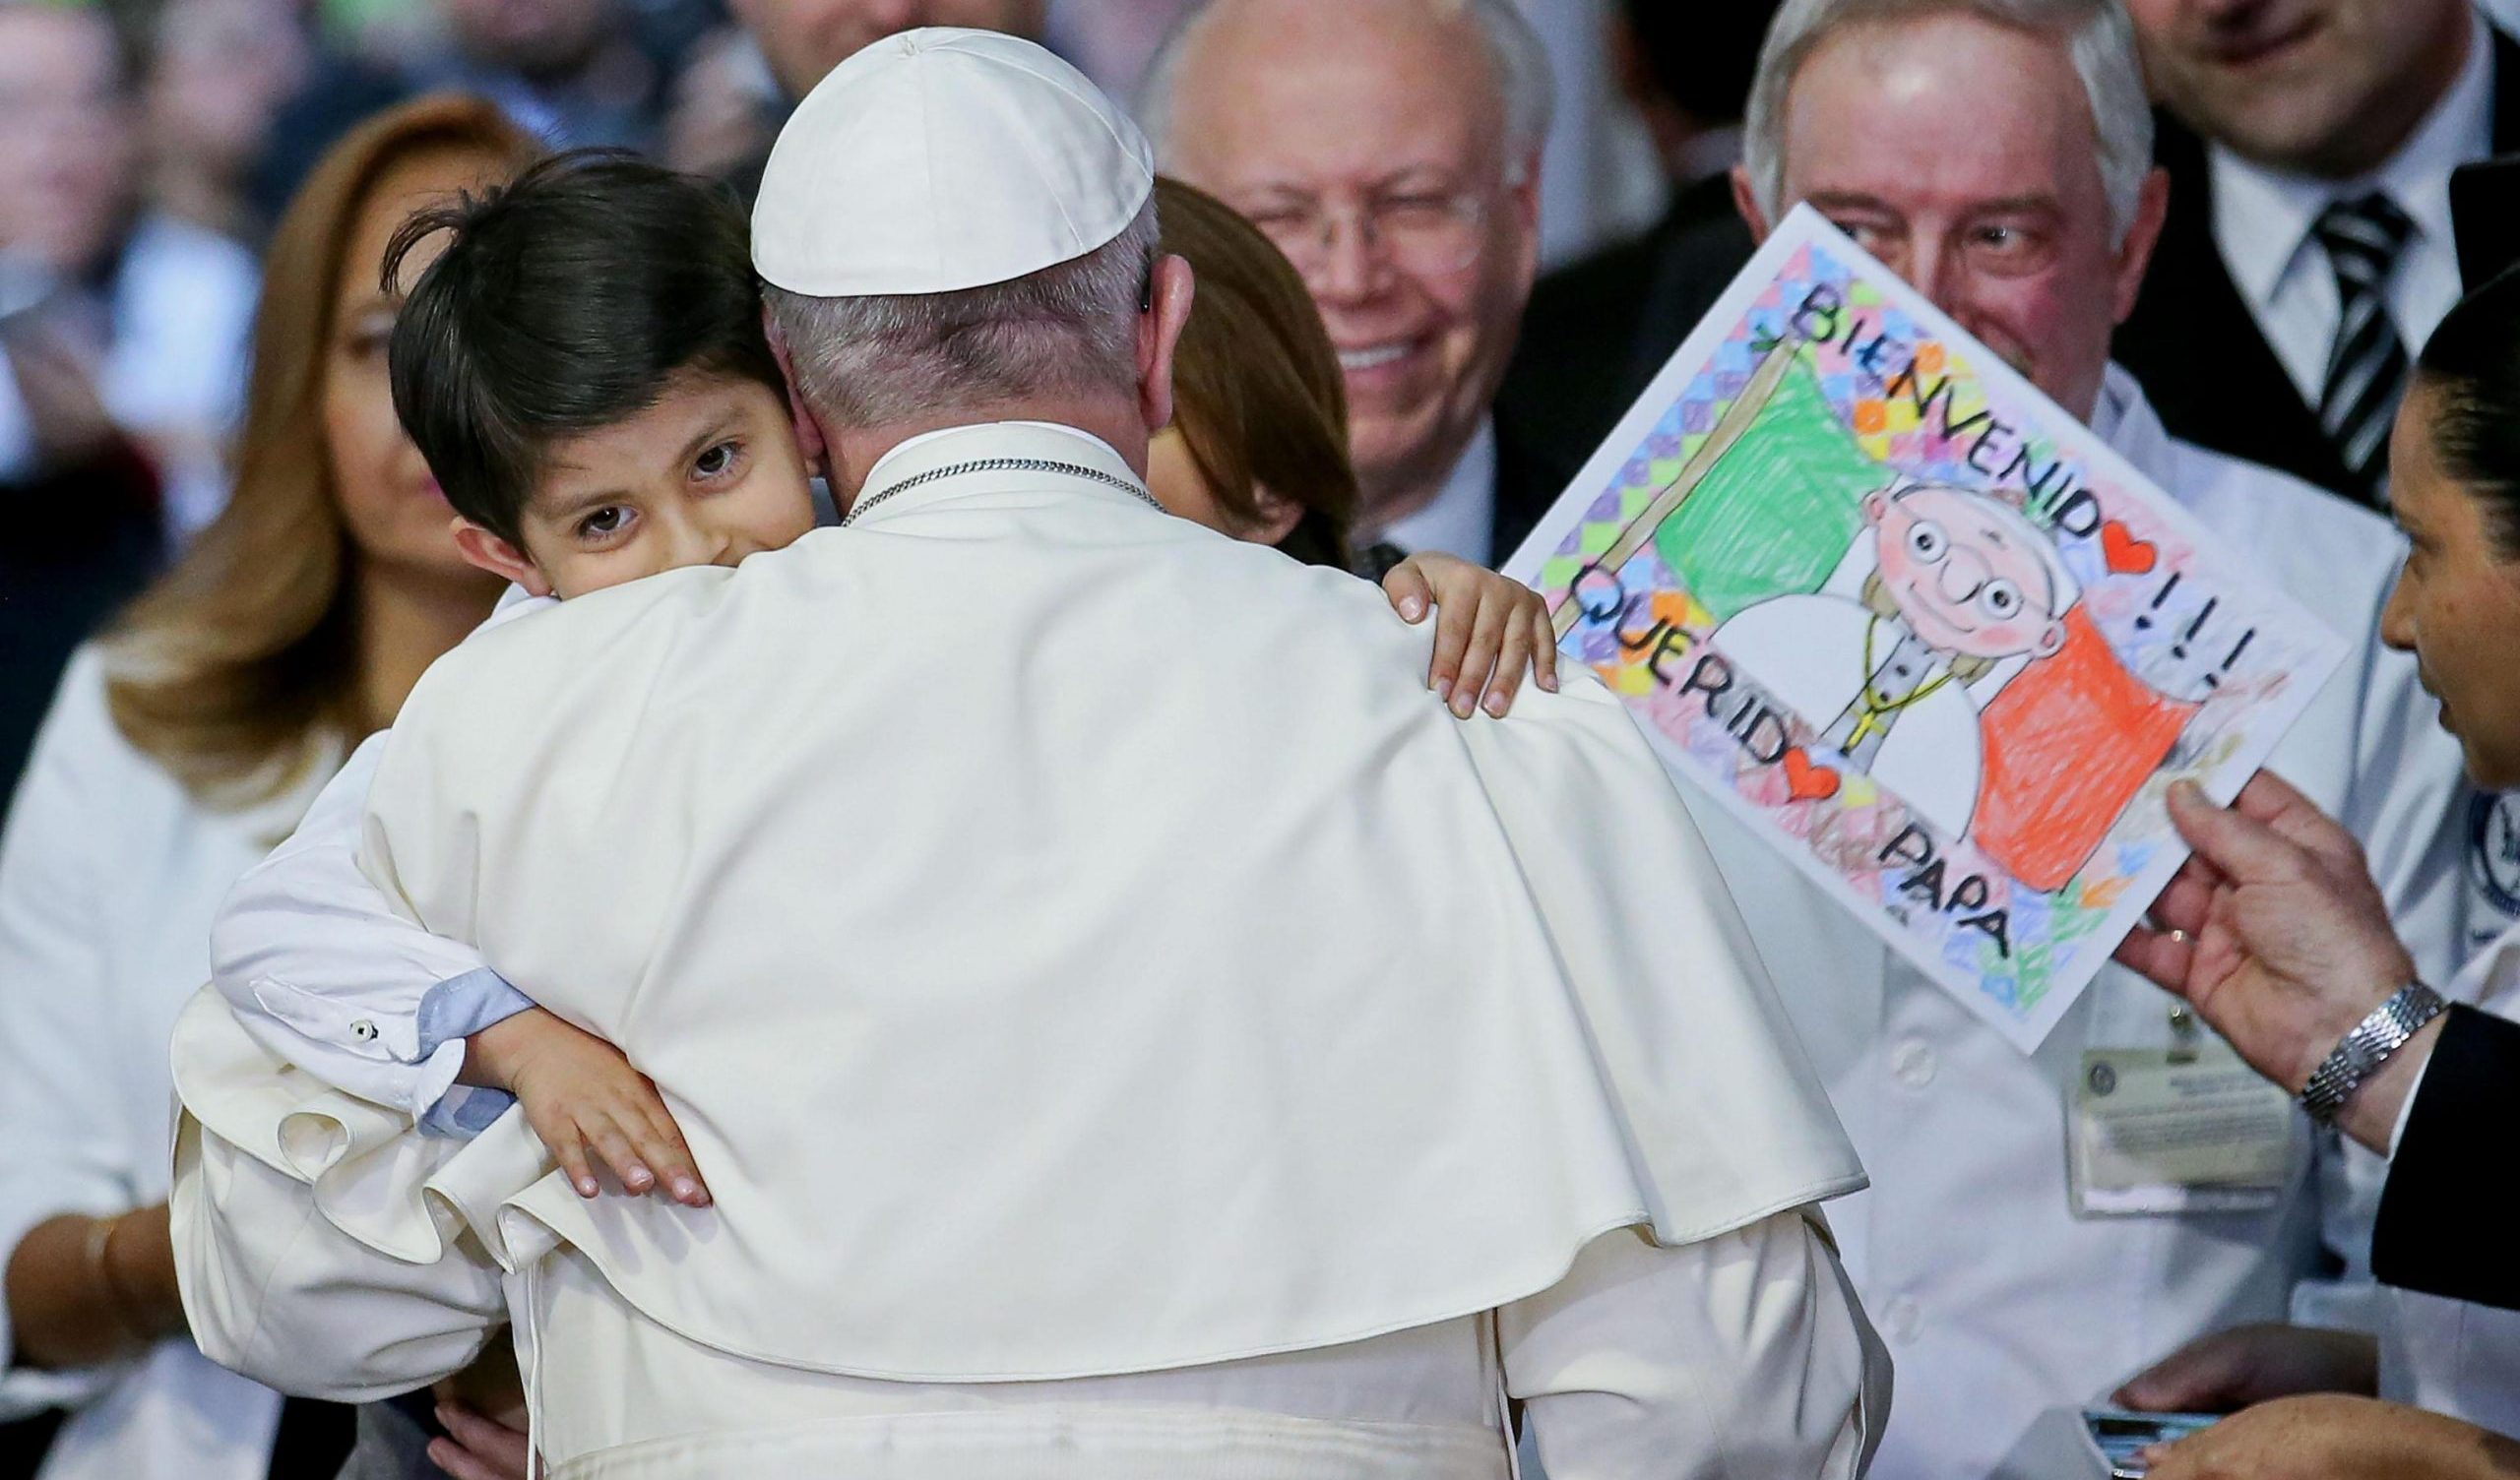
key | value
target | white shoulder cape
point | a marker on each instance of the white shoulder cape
(1073, 943)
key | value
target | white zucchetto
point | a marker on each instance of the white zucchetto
(943, 159)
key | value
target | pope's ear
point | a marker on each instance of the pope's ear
(1170, 287)
(2051, 640)
(487, 551)
(1876, 505)
(809, 432)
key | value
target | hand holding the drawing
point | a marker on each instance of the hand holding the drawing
(2275, 934)
(2222, 1372)
(1488, 628)
(586, 1102)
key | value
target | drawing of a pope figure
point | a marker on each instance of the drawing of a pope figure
(1964, 592)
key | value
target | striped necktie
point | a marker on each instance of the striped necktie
(2366, 371)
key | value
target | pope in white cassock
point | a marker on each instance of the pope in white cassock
(1130, 1029)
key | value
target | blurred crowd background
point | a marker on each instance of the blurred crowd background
(146, 151)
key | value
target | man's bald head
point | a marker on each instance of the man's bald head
(1490, 35)
(803, 40)
(1390, 147)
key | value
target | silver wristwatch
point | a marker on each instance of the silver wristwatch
(2361, 1053)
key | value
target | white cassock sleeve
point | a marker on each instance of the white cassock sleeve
(276, 1292)
(1744, 1354)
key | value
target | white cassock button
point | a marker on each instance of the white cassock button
(1912, 1063)
(363, 1030)
(1902, 1319)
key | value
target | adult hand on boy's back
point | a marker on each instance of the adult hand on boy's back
(587, 1103)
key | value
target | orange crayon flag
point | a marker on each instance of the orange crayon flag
(2069, 744)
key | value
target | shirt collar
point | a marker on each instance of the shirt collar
(2125, 418)
(2263, 215)
(1094, 451)
(1460, 519)
(1040, 441)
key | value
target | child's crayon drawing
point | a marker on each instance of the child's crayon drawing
(1869, 587)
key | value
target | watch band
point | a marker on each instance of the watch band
(2361, 1053)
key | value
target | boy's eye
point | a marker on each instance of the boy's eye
(611, 519)
(716, 461)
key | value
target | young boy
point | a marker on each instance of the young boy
(584, 370)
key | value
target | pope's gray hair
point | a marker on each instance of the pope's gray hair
(883, 360)
(2097, 35)
(1525, 85)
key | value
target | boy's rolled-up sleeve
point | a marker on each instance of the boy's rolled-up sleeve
(325, 971)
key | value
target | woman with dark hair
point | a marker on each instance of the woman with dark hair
(2277, 935)
(1258, 449)
(1258, 444)
(178, 749)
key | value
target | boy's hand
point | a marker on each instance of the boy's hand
(483, 1410)
(1488, 631)
(478, 1448)
(586, 1102)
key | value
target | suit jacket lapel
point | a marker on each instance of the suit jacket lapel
(2236, 395)
(1529, 480)
(2506, 93)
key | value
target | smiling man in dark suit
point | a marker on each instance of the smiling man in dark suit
(2310, 145)
(1392, 150)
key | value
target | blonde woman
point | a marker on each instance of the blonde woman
(178, 749)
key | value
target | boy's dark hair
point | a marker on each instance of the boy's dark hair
(566, 300)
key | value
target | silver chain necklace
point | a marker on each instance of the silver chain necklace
(999, 464)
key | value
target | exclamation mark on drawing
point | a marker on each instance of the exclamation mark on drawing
(2145, 623)
(2213, 680)
(2179, 649)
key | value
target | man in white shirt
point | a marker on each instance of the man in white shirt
(2309, 148)
(1997, 154)
(1035, 1121)
(1391, 148)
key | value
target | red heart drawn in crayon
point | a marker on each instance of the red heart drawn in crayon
(2127, 555)
(1807, 781)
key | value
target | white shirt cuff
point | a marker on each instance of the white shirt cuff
(2406, 1109)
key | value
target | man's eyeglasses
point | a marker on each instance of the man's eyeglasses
(1419, 230)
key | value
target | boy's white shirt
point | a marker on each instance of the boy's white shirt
(1501, 945)
(327, 975)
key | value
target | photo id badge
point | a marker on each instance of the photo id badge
(2168, 1131)
(2123, 1437)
